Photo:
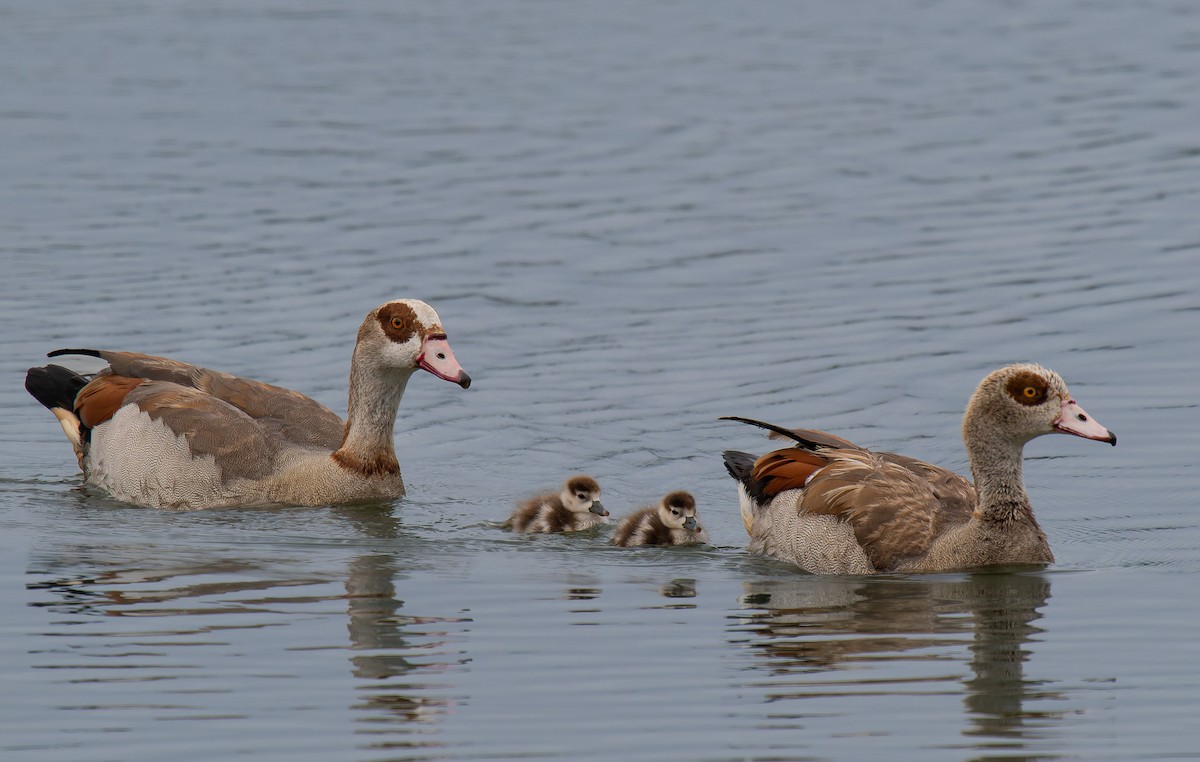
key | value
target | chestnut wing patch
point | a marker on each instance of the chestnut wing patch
(101, 397)
(782, 470)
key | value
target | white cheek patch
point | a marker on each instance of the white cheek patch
(405, 354)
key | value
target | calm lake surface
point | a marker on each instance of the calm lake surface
(633, 218)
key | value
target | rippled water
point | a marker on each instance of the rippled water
(633, 218)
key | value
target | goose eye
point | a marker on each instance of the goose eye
(397, 323)
(1027, 388)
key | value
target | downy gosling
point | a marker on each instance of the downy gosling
(575, 508)
(671, 522)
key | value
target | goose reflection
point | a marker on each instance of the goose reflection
(181, 595)
(383, 638)
(380, 646)
(803, 628)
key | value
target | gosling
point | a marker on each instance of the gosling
(575, 508)
(671, 522)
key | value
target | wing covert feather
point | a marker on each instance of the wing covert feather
(288, 414)
(211, 426)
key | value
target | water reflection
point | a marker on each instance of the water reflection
(378, 634)
(679, 588)
(877, 632)
(396, 700)
(582, 587)
(199, 590)
(85, 583)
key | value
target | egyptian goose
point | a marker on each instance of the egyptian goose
(671, 522)
(577, 506)
(164, 434)
(832, 507)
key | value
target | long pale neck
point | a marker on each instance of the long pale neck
(371, 419)
(996, 467)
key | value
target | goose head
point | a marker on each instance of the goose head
(678, 511)
(406, 335)
(1023, 401)
(581, 494)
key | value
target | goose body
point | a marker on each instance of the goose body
(671, 522)
(574, 508)
(833, 507)
(165, 434)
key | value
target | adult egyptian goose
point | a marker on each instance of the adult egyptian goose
(832, 507)
(671, 522)
(575, 507)
(165, 434)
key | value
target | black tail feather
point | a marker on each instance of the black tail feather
(87, 352)
(740, 466)
(808, 439)
(787, 433)
(54, 386)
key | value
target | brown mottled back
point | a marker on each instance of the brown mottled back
(241, 423)
(211, 426)
(895, 504)
(955, 494)
(281, 412)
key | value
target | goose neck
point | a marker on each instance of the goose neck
(996, 465)
(375, 396)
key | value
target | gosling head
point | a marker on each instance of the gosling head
(581, 494)
(678, 511)
(1023, 401)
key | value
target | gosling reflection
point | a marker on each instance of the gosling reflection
(808, 625)
(679, 588)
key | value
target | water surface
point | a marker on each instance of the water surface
(633, 218)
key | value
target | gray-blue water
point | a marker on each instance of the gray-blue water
(633, 218)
